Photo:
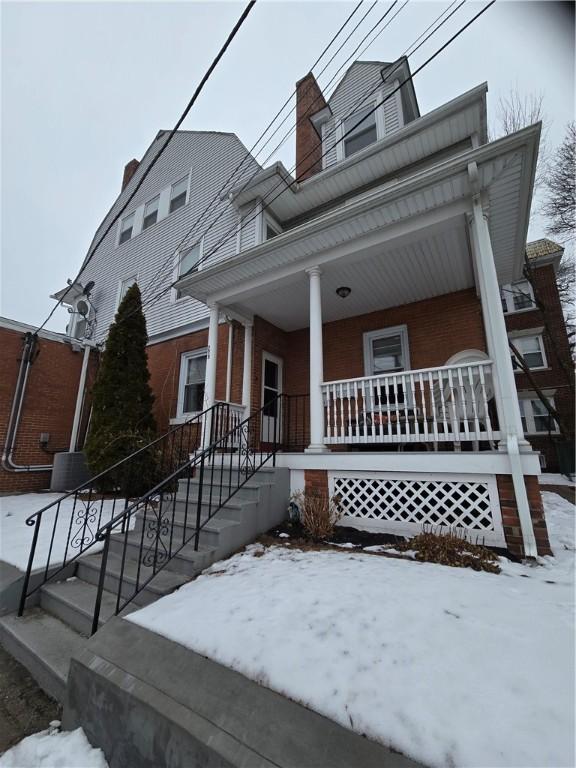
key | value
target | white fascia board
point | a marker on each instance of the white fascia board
(449, 462)
(19, 327)
(527, 137)
(69, 294)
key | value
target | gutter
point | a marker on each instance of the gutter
(8, 463)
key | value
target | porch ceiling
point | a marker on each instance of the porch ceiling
(436, 262)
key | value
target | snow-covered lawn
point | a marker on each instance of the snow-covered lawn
(548, 478)
(449, 666)
(16, 536)
(69, 749)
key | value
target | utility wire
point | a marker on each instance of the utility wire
(189, 106)
(248, 220)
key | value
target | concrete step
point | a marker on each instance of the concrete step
(72, 601)
(218, 533)
(187, 561)
(163, 583)
(232, 477)
(44, 645)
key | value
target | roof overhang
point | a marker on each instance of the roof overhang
(505, 178)
(69, 294)
(440, 129)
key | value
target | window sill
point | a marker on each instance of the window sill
(520, 311)
(533, 370)
(175, 420)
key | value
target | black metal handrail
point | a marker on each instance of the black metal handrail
(240, 452)
(111, 488)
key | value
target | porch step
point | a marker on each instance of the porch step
(163, 583)
(187, 561)
(72, 601)
(44, 645)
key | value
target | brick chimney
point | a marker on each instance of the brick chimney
(129, 171)
(309, 100)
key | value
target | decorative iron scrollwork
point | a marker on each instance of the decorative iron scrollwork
(84, 518)
(156, 528)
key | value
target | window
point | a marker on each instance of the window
(386, 351)
(151, 212)
(188, 261)
(192, 376)
(126, 227)
(271, 229)
(535, 417)
(532, 350)
(178, 194)
(124, 285)
(517, 296)
(361, 135)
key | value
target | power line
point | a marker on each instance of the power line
(168, 263)
(189, 106)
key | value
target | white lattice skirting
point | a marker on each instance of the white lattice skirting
(405, 505)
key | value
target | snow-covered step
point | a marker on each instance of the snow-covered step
(163, 583)
(187, 561)
(72, 601)
(44, 645)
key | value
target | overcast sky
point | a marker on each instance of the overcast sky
(86, 86)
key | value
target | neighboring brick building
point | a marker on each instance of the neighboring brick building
(48, 404)
(536, 325)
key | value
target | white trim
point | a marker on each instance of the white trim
(401, 121)
(184, 357)
(132, 276)
(174, 298)
(528, 414)
(530, 335)
(368, 338)
(507, 296)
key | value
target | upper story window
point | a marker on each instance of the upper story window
(532, 350)
(271, 229)
(517, 296)
(178, 194)
(126, 228)
(188, 261)
(363, 132)
(151, 212)
(125, 284)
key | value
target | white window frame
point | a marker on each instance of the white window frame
(185, 178)
(146, 204)
(121, 283)
(268, 221)
(507, 294)
(368, 338)
(184, 357)
(176, 271)
(533, 335)
(121, 228)
(528, 414)
(379, 119)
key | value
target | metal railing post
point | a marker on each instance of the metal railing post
(24, 594)
(199, 504)
(101, 579)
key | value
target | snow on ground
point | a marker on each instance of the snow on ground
(68, 749)
(16, 536)
(548, 478)
(450, 666)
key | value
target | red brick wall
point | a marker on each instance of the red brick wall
(164, 366)
(560, 371)
(511, 520)
(316, 481)
(309, 100)
(48, 406)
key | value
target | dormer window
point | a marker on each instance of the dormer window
(126, 228)
(271, 229)
(178, 194)
(188, 261)
(151, 212)
(362, 131)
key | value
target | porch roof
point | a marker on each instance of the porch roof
(444, 127)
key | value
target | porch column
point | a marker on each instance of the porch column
(247, 369)
(503, 374)
(210, 380)
(496, 335)
(316, 364)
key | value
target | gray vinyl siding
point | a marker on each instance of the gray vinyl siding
(209, 159)
(361, 86)
(248, 224)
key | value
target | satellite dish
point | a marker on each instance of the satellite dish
(88, 288)
(83, 308)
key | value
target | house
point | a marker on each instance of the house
(355, 306)
(536, 326)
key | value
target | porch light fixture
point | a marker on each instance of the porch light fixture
(343, 291)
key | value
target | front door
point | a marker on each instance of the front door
(271, 388)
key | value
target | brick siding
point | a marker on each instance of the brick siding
(316, 481)
(511, 520)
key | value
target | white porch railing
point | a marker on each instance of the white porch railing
(432, 405)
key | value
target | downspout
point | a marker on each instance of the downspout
(80, 397)
(16, 411)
